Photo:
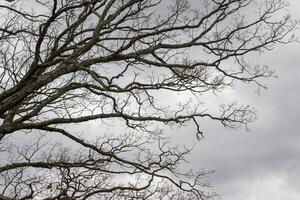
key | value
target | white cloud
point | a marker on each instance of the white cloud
(274, 187)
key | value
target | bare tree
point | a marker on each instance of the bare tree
(69, 62)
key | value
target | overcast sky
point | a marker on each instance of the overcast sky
(264, 163)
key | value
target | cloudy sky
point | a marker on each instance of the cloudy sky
(264, 163)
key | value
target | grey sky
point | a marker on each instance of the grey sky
(264, 163)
